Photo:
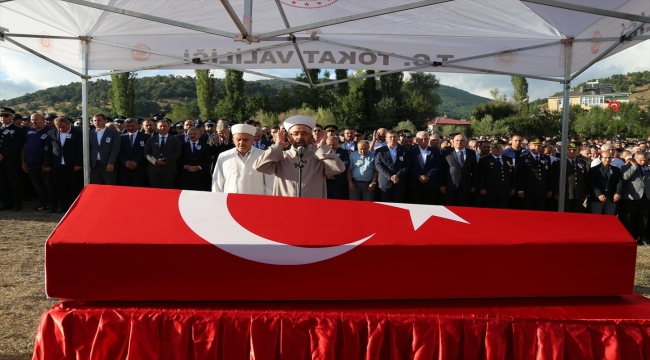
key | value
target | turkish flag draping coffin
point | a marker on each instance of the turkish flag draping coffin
(122, 243)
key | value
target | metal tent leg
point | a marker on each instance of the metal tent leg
(84, 111)
(566, 104)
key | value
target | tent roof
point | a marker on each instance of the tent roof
(449, 32)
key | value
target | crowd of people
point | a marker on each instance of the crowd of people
(45, 153)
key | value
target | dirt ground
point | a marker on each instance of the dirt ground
(22, 295)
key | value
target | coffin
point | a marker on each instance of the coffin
(124, 243)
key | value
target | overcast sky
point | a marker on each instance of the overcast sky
(23, 73)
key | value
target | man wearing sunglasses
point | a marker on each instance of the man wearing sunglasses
(12, 140)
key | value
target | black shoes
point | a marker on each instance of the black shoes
(59, 211)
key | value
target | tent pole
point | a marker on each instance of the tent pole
(248, 16)
(566, 104)
(591, 10)
(620, 40)
(84, 111)
(348, 18)
(152, 18)
(40, 55)
(295, 45)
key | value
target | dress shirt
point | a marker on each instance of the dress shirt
(243, 157)
(132, 137)
(62, 137)
(100, 133)
(499, 159)
(424, 152)
(393, 153)
(459, 157)
(349, 145)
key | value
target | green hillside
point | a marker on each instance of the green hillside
(159, 93)
(457, 103)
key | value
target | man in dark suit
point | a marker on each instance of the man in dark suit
(576, 179)
(186, 126)
(458, 173)
(533, 177)
(133, 165)
(337, 185)
(104, 148)
(636, 199)
(392, 162)
(162, 151)
(12, 139)
(425, 171)
(64, 158)
(195, 163)
(259, 141)
(348, 143)
(605, 186)
(496, 177)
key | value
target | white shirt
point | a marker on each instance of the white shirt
(379, 144)
(234, 173)
(424, 152)
(458, 152)
(62, 137)
(100, 133)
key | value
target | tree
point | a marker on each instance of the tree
(593, 123)
(122, 94)
(385, 112)
(497, 109)
(447, 130)
(205, 93)
(406, 125)
(370, 95)
(232, 105)
(342, 89)
(520, 95)
(489, 127)
(181, 112)
(391, 85)
(349, 109)
(494, 93)
(419, 100)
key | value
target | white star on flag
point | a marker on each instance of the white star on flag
(421, 213)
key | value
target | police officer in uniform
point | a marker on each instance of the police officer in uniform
(576, 175)
(496, 177)
(12, 140)
(533, 177)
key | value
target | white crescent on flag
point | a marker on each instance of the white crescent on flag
(208, 216)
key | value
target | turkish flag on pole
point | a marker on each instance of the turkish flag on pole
(614, 105)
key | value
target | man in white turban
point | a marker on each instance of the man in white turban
(234, 171)
(320, 161)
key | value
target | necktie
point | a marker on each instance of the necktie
(131, 139)
(257, 145)
(162, 142)
(192, 148)
(536, 158)
(499, 159)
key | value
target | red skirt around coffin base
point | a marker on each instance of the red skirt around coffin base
(151, 253)
(614, 328)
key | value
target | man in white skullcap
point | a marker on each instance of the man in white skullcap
(234, 171)
(320, 161)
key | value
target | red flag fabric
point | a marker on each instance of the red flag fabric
(179, 245)
(614, 105)
(529, 328)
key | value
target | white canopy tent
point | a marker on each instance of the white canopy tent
(542, 39)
